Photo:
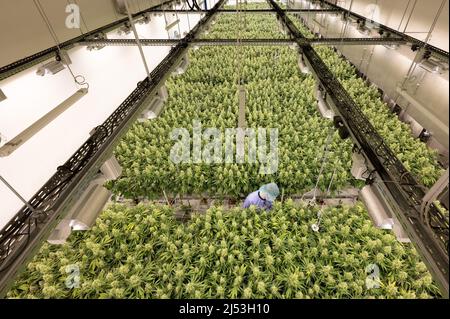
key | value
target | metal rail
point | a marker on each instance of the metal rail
(356, 41)
(259, 42)
(22, 236)
(181, 11)
(28, 62)
(170, 42)
(429, 233)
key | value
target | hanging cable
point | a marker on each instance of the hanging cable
(190, 6)
(78, 79)
(316, 226)
(136, 36)
(196, 4)
(312, 201)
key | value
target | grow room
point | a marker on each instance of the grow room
(214, 149)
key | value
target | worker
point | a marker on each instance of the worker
(263, 198)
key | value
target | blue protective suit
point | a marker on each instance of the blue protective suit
(255, 199)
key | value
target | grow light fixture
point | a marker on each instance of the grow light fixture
(34, 128)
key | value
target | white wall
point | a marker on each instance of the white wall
(388, 68)
(112, 74)
(395, 14)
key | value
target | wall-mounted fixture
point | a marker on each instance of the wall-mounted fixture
(52, 67)
(424, 135)
(146, 18)
(415, 47)
(97, 36)
(433, 65)
(125, 29)
(34, 128)
(171, 21)
(385, 34)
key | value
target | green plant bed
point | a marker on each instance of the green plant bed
(254, 26)
(278, 97)
(249, 5)
(419, 159)
(143, 252)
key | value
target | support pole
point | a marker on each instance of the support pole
(136, 36)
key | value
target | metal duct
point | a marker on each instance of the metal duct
(155, 104)
(153, 110)
(89, 206)
(111, 169)
(303, 67)
(182, 67)
(376, 209)
(60, 233)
